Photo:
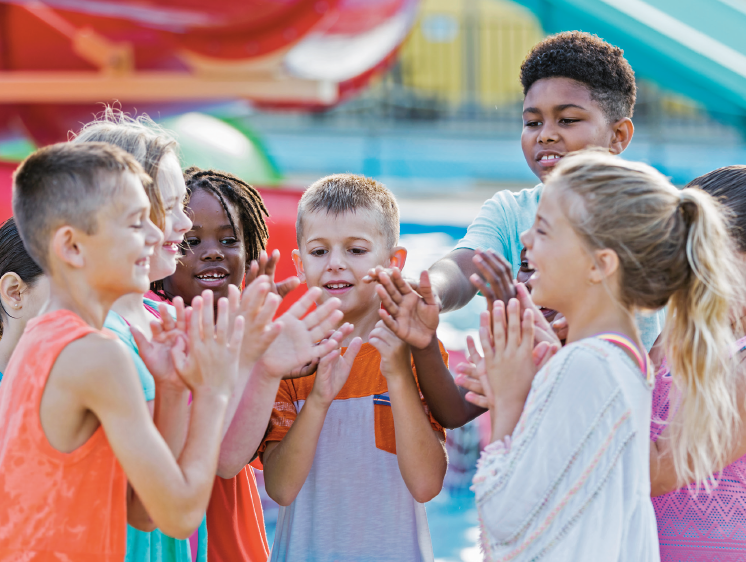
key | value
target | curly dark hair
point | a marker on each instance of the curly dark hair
(588, 59)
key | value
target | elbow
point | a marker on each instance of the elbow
(280, 495)
(182, 526)
(142, 525)
(229, 468)
(426, 492)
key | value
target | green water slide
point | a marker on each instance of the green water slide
(694, 47)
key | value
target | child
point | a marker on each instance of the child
(568, 478)
(699, 524)
(71, 405)
(229, 232)
(579, 92)
(352, 453)
(155, 150)
(23, 290)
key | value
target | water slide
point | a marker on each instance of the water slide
(694, 47)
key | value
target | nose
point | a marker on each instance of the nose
(182, 223)
(527, 239)
(336, 260)
(548, 133)
(212, 252)
(153, 234)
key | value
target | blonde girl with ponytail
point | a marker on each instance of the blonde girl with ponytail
(567, 474)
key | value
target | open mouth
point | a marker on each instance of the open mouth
(172, 247)
(549, 159)
(337, 287)
(212, 278)
(143, 262)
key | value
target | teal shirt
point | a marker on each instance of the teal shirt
(155, 546)
(499, 226)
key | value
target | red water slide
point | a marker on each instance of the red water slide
(59, 59)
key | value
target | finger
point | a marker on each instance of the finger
(234, 299)
(487, 387)
(401, 284)
(325, 363)
(268, 310)
(498, 325)
(262, 263)
(471, 384)
(539, 351)
(426, 289)
(527, 327)
(208, 315)
(252, 271)
(514, 323)
(477, 400)
(254, 297)
(286, 286)
(386, 300)
(317, 317)
(391, 289)
(524, 298)
(484, 333)
(156, 328)
(239, 325)
(195, 315)
(221, 326)
(141, 341)
(167, 321)
(388, 320)
(272, 264)
(178, 355)
(302, 305)
(181, 323)
(474, 355)
(500, 273)
(352, 350)
(483, 288)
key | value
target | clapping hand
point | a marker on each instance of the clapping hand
(333, 371)
(266, 266)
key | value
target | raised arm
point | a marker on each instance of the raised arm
(450, 281)
(293, 348)
(288, 462)
(174, 493)
(420, 451)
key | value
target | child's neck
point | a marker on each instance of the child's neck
(79, 297)
(596, 316)
(130, 307)
(363, 322)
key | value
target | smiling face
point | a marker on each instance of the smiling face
(215, 255)
(117, 255)
(559, 116)
(561, 262)
(177, 223)
(336, 252)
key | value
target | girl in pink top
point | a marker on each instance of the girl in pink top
(696, 525)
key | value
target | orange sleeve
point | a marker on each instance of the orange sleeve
(435, 425)
(283, 415)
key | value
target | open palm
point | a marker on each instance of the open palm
(333, 371)
(411, 316)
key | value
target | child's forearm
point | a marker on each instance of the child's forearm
(449, 277)
(171, 416)
(420, 451)
(444, 398)
(249, 423)
(288, 462)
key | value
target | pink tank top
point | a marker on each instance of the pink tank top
(699, 526)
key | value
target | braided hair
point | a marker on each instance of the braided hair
(245, 200)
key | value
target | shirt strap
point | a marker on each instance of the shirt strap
(622, 341)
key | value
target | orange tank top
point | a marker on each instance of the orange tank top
(53, 505)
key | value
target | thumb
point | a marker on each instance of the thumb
(178, 354)
(141, 341)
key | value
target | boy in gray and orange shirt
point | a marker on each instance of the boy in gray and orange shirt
(352, 452)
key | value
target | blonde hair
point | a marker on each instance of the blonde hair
(343, 193)
(147, 141)
(674, 250)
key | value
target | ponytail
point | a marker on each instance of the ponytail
(699, 343)
(674, 250)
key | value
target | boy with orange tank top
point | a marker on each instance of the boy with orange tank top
(74, 428)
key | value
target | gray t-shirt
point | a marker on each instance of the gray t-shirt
(498, 227)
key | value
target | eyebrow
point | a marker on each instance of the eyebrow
(322, 239)
(560, 107)
(539, 218)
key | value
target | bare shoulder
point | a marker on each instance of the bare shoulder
(95, 363)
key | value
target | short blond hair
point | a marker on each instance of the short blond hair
(344, 193)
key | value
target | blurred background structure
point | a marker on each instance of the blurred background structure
(421, 94)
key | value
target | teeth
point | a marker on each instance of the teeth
(550, 157)
(211, 276)
(338, 285)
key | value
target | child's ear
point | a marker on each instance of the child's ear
(606, 264)
(398, 257)
(11, 287)
(622, 135)
(298, 266)
(66, 247)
